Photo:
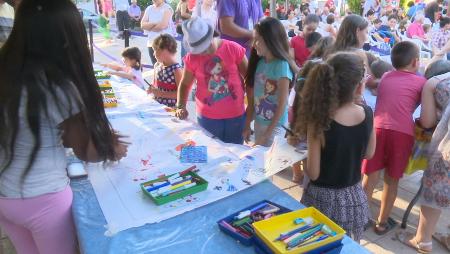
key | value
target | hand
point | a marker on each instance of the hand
(261, 140)
(120, 147)
(181, 113)
(247, 133)
(293, 140)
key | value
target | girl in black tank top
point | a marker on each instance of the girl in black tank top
(340, 135)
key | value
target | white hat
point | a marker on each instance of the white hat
(198, 35)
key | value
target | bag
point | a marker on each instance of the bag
(419, 156)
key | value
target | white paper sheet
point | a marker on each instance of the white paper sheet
(156, 137)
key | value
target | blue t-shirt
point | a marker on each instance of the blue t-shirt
(266, 92)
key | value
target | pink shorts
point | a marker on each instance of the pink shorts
(392, 153)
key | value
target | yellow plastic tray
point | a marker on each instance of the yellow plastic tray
(270, 229)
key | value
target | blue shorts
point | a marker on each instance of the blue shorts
(228, 130)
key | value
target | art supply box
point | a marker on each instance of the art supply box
(109, 98)
(269, 230)
(201, 185)
(238, 236)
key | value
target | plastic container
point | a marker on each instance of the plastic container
(201, 185)
(247, 241)
(331, 248)
(270, 229)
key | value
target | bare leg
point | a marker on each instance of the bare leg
(369, 182)
(427, 223)
(388, 197)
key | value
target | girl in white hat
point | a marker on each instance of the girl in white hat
(219, 67)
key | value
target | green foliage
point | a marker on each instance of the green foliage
(265, 3)
(144, 3)
(354, 6)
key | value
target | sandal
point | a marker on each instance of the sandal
(387, 226)
(370, 224)
(421, 247)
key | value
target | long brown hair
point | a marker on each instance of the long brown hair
(329, 85)
(347, 37)
(275, 37)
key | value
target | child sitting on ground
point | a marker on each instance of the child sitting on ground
(167, 73)
(399, 94)
(132, 70)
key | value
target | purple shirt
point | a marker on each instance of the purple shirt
(242, 11)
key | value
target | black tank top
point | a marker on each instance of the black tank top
(344, 150)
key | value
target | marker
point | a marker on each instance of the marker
(174, 187)
(243, 214)
(187, 170)
(179, 180)
(307, 220)
(228, 226)
(258, 207)
(272, 210)
(155, 187)
(187, 186)
(292, 232)
(305, 235)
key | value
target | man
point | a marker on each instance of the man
(237, 18)
(415, 30)
(441, 37)
(298, 44)
(135, 13)
(122, 18)
(6, 21)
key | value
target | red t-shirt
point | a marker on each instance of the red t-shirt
(300, 50)
(220, 91)
(399, 95)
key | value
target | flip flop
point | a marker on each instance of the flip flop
(404, 238)
(388, 226)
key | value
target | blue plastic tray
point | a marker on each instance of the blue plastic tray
(248, 241)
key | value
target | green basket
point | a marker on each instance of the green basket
(202, 185)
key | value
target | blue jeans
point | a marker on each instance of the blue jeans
(228, 130)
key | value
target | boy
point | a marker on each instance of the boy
(399, 94)
(298, 44)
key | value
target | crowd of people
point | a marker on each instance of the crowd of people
(302, 75)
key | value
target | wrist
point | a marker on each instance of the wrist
(180, 106)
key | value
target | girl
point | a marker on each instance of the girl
(49, 100)
(167, 73)
(339, 135)
(267, 79)
(132, 70)
(218, 66)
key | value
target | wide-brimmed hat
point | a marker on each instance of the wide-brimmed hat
(198, 35)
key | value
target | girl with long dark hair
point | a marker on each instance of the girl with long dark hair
(49, 99)
(270, 72)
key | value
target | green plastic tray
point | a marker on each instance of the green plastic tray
(202, 185)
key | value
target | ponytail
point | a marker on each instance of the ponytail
(318, 101)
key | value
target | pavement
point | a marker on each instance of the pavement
(408, 186)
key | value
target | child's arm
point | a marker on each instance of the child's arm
(249, 112)
(243, 67)
(428, 114)
(313, 163)
(183, 92)
(283, 88)
(122, 74)
(114, 66)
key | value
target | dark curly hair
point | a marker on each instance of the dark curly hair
(328, 86)
(165, 41)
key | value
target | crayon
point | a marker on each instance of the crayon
(241, 221)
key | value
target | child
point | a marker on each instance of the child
(268, 78)
(167, 73)
(132, 70)
(324, 45)
(294, 140)
(399, 94)
(378, 69)
(219, 66)
(312, 40)
(298, 44)
(339, 136)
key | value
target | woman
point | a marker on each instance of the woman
(206, 9)
(49, 99)
(157, 20)
(435, 195)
